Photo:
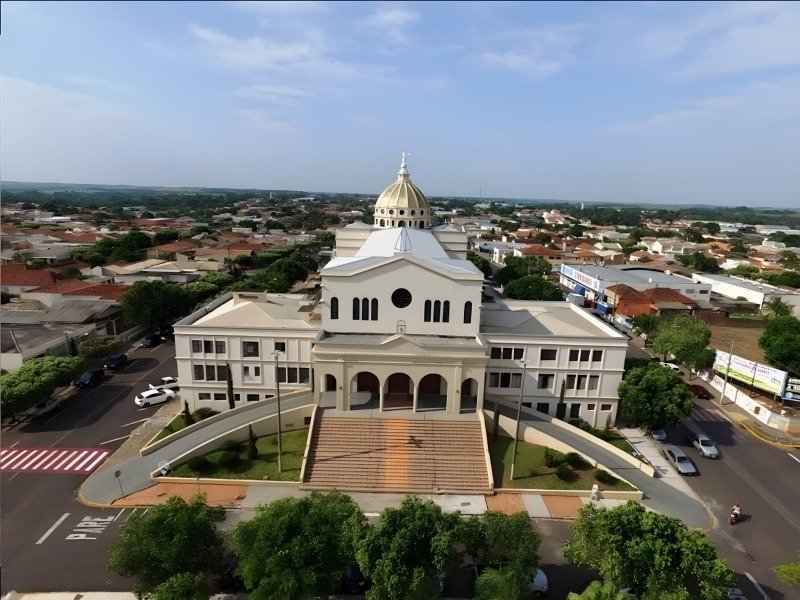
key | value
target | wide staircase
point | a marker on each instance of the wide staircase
(396, 455)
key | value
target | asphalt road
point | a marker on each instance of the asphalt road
(32, 503)
(764, 480)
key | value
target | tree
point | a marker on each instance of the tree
(598, 590)
(653, 397)
(199, 291)
(533, 287)
(408, 549)
(789, 572)
(100, 347)
(184, 586)
(699, 360)
(683, 336)
(480, 262)
(699, 261)
(653, 553)
(35, 380)
(154, 304)
(645, 324)
(778, 308)
(165, 236)
(229, 379)
(521, 266)
(789, 259)
(508, 544)
(171, 538)
(781, 343)
(298, 547)
(252, 449)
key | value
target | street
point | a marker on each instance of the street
(50, 541)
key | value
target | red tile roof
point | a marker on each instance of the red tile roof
(106, 291)
(539, 250)
(63, 287)
(15, 274)
(660, 294)
(630, 294)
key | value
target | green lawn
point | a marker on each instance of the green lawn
(531, 472)
(622, 444)
(176, 424)
(263, 467)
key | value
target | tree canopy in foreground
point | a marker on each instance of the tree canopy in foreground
(653, 396)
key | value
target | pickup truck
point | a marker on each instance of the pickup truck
(43, 407)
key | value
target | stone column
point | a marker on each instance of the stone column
(380, 395)
(416, 396)
(453, 406)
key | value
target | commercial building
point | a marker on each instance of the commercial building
(755, 292)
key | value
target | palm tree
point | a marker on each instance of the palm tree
(778, 308)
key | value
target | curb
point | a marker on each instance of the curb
(756, 433)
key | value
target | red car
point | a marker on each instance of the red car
(700, 392)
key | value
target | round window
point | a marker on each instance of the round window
(413, 212)
(391, 211)
(401, 297)
(422, 212)
(402, 212)
(382, 211)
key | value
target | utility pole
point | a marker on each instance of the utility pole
(278, 394)
(727, 371)
(519, 414)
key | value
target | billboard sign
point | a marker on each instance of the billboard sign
(582, 278)
(758, 375)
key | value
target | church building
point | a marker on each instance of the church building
(404, 323)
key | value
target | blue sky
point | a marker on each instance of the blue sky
(653, 102)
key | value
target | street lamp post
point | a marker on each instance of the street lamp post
(519, 414)
(278, 394)
(727, 372)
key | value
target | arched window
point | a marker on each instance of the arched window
(334, 308)
(374, 309)
(446, 312)
(437, 309)
(365, 309)
(401, 224)
(356, 312)
(383, 222)
(427, 311)
(468, 312)
(421, 224)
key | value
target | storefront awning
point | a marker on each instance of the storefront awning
(602, 308)
(580, 290)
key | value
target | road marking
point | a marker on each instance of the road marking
(52, 460)
(52, 529)
(14, 444)
(133, 512)
(757, 586)
(135, 422)
(792, 456)
(124, 437)
(120, 514)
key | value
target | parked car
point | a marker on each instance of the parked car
(165, 383)
(148, 397)
(115, 362)
(675, 368)
(679, 460)
(698, 391)
(704, 445)
(538, 584)
(168, 333)
(43, 407)
(657, 434)
(90, 378)
(151, 341)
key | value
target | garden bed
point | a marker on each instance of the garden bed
(532, 472)
(232, 461)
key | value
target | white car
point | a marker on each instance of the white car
(675, 368)
(165, 383)
(149, 397)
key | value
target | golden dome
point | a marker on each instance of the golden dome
(402, 193)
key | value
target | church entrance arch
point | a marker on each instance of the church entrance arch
(364, 390)
(432, 392)
(399, 392)
(469, 396)
(401, 224)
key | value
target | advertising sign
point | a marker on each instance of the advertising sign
(756, 374)
(585, 280)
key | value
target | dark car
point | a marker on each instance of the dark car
(228, 580)
(151, 341)
(115, 362)
(700, 392)
(90, 379)
(168, 333)
(353, 580)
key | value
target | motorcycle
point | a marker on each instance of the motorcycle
(736, 516)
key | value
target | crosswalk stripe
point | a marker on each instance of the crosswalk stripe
(79, 466)
(91, 466)
(66, 458)
(52, 460)
(42, 460)
(16, 459)
(71, 464)
(55, 458)
(32, 459)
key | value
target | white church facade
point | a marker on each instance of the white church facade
(403, 323)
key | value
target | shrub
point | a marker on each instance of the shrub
(605, 477)
(550, 458)
(204, 412)
(232, 446)
(576, 461)
(199, 464)
(228, 458)
(566, 473)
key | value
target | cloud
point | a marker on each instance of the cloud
(759, 102)
(258, 119)
(277, 94)
(536, 52)
(390, 24)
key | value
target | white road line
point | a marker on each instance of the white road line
(135, 422)
(14, 444)
(88, 468)
(19, 458)
(71, 463)
(80, 466)
(793, 457)
(133, 512)
(115, 439)
(145, 511)
(757, 586)
(65, 459)
(33, 458)
(119, 514)
(3, 451)
(43, 460)
(57, 455)
(12, 454)
(52, 529)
